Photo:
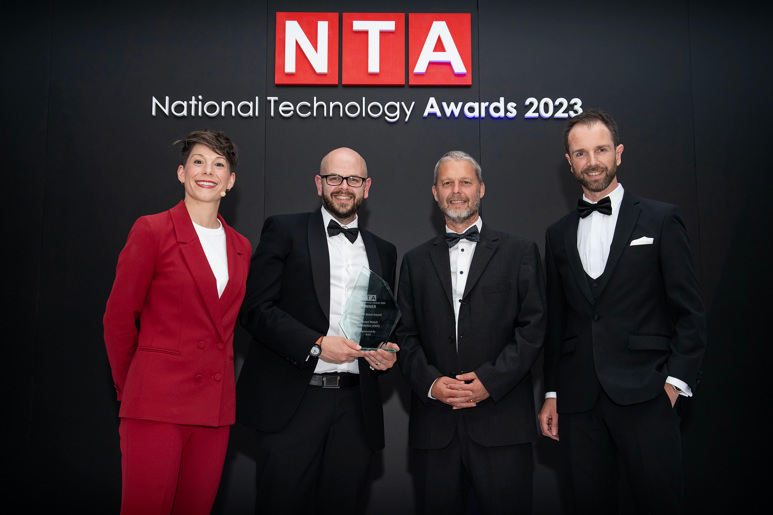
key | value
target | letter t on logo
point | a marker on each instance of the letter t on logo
(373, 49)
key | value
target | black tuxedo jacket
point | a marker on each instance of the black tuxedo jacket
(644, 321)
(286, 310)
(501, 331)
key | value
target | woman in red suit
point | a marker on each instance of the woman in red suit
(169, 328)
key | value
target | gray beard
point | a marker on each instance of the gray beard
(461, 217)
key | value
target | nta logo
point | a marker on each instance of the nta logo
(373, 49)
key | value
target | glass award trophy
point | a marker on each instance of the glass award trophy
(371, 313)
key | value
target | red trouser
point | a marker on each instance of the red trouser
(170, 468)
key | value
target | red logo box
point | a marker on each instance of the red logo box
(306, 48)
(439, 49)
(373, 49)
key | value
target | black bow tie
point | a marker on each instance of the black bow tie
(603, 206)
(471, 234)
(334, 228)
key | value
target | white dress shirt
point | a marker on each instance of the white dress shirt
(595, 233)
(346, 262)
(460, 256)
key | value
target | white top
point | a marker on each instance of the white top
(460, 256)
(213, 243)
(595, 233)
(346, 262)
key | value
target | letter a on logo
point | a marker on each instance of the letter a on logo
(439, 49)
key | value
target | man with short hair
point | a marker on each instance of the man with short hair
(626, 331)
(472, 325)
(311, 393)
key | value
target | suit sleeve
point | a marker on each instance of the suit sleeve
(134, 273)
(261, 313)
(411, 358)
(555, 317)
(518, 356)
(685, 304)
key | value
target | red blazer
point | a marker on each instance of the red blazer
(169, 337)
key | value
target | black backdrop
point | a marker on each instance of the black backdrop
(689, 83)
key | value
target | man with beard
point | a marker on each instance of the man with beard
(626, 332)
(472, 325)
(311, 393)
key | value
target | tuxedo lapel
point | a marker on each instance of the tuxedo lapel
(626, 221)
(197, 263)
(573, 256)
(484, 250)
(374, 260)
(442, 263)
(320, 260)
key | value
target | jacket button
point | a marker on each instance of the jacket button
(596, 318)
(221, 345)
(197, 378)
(218, 377)
(202, 344)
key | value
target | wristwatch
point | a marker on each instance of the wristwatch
(316, 349)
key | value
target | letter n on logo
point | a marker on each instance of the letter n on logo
(306, 48)
(439, 49)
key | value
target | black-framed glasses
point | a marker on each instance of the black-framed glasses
(354, 181)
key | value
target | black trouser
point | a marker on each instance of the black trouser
(318, 463)
(644, 437)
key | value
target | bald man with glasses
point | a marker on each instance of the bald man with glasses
(311, 393)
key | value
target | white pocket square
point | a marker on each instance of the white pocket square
(642, 241)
